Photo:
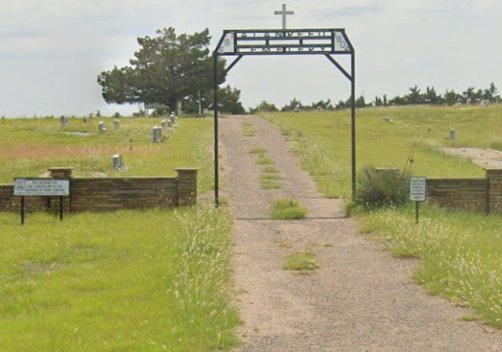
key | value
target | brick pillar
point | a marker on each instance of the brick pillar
(187, 186)
(61, 172)
(494, 177)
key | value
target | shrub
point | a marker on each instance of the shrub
(378, 188)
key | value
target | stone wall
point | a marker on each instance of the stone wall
(105, 194)
(477, 194)
(462, 193)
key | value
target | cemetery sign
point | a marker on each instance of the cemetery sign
(288, 41)
(417, 189)
(41, 187)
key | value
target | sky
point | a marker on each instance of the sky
(51, 51)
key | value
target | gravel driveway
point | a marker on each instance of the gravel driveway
(360, 299)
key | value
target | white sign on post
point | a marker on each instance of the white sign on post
(417, 189)
(41, 187)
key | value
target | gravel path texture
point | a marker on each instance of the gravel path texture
(359, 299)
(487, 158)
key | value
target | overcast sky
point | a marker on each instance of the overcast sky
(51, 51)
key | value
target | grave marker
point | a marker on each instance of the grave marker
(116, 124)
(157, 134)
(102, 127)
(117, 162)
(64, 120)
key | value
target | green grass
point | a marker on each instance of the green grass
(120, 281)
(270, 178)
(460, 252)
(258, 151)
(288, 209)
(28, 147)
(302, 262)
(136, 281)
(264, 160)
(323, 141)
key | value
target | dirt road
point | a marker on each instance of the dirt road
(360, 299)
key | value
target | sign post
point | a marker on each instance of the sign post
(417, 192)
(41, 187)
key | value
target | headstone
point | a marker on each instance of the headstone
(163, 124)
(169, 124)
(102, 127)
(116, 124)
(117, 162)
(452, 135)
(173, 117)
(157, 134)
(64, 120)
(84, 119)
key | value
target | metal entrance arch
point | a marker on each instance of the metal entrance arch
(266, 42)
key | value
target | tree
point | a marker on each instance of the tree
(414, 97)
(264, 106)
(322, 105)
(229, 98)
(491, 94)
(164, 70)
(451, 97)
(431, 97)
(294, 105)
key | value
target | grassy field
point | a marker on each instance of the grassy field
(28, 147)
(389, 137)
(461, 252)
(155, 280)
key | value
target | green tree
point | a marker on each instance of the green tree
(294, 105)
(414, 97)
(229, 99)
(164, 70)
(451, 97)
(264, 106)
(431, 97)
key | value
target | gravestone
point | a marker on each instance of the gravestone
(84, 119)
(102, 127)
(169, 124)
(116, 124)
(117, 162)
(64, 120)
(163, 124)
(157, 134)
(452, 135)
(173, 117)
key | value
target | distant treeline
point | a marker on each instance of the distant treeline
(414, 97)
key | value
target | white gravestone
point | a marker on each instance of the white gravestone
(157, 134)
(117, 162)
(102, 127)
